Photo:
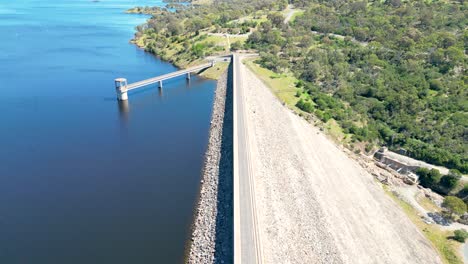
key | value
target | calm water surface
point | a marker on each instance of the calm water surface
(82, 178)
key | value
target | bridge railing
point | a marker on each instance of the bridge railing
(122, 87)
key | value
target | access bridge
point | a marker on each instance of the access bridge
(121, 86)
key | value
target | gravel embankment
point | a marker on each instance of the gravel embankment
(315, 204)
(211, 240)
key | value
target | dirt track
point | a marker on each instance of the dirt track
(315, 204)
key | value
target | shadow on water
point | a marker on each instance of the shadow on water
(124, 110)
(124, 106)
(224, 252)
(161, 92)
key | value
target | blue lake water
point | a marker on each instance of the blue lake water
(84, 179)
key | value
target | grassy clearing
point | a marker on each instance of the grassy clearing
(241, 39)
(448, 249)
(216, 40)
(216, 71)
(334, 129)
(283, 86)
(295, 15)
(173, 50)
(427, 204)
(258, 17)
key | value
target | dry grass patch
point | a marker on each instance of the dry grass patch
(336, 132)
(427, 204)
(448, 248)
(282, 85)
(216, 71)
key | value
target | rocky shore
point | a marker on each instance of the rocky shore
(211, 240)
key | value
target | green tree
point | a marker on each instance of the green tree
(450, 181)
(460, 235)
(428, 178)
(276, 19)
(305, 106)
(254, 38)
(312, 72)
(174, 28)
(463, 193)
(199, 49)
(236, 45)
(454, 205)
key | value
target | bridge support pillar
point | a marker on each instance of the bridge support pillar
(188, 76)
(121, 89)
(160, 84)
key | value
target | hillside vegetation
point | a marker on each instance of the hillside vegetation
(387, 72)
(184, 34)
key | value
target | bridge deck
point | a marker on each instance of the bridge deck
(139, 84)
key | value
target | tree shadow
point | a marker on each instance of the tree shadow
(224, 251)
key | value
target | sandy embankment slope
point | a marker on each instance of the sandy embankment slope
(315, 204)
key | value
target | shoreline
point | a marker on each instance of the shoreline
(211, 232)
(208, 74)
(206, 198)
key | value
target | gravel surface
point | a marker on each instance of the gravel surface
(314, 203)
(211, 240)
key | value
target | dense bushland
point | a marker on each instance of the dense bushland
(389, 72)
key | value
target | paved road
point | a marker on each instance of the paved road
(246, 240)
